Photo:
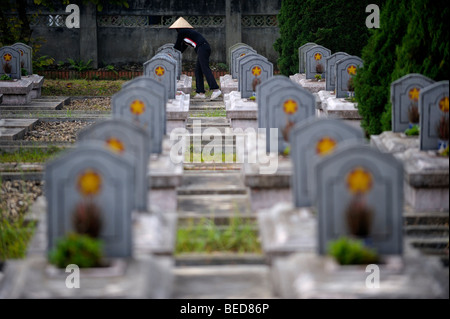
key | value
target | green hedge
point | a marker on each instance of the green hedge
(338, 25)
(413, 38)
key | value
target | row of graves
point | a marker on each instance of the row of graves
(20, 89)
(330, 76)
(117, 184)
(314, 179)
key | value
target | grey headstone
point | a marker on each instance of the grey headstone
(163, 69)
(433, 105)
(405, 92)
(230, 49)
(111, 189)
(287, 106)
(375, 177)
(10, 62)
(301, 55)
(173, 53)
(330, 61)
(311, 140)
(346, 68)
(253, 68)
(138, 105)
(315, 56)
(235, 55)
(154, 87)
(166, 45)
(123, 137)
(265, 90)
(26, 54)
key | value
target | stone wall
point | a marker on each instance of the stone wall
(126, 35)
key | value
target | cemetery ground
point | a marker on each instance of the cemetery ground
(236, 229)
(200, 241)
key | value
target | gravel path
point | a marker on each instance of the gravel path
(16, 197)
(64, 131)
(90, 104)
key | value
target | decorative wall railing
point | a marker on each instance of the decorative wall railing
(144, 21)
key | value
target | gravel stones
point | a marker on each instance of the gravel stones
(90, 104)
(64, 131)
(16, 197)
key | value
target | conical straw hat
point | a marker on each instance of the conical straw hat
(181, 23)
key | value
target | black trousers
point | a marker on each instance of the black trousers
(202, 69)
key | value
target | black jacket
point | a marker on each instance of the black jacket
(189, 37)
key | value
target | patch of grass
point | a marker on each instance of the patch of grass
(14, 237)
(191, 156)
(220, 112)
(81, 87)
(240, 236)
(32, 155)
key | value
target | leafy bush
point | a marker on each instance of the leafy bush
(5, 77)
(14, 237)
(348, 251)
(412, 38)
(80, 65)
(40, 63)
(77, 249)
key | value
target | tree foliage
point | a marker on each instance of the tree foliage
(413, 38)
(338, 25)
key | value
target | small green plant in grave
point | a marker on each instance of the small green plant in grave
(348, 251)
(252, 98)
(445, 153)
(5, 77)
(413, 131)
(318, 77)
(81, 250)
(24, 72)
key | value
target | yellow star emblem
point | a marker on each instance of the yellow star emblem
(359, 181)
(159, 71)
(115, 145)
(351, 70)
(443, 104)
(7, 57)
(21, 52)
(290, 107)
(325, 146)
(89, 183)
(242, 54)
(256, 71)
(137, 107)
(317, 56)
(414, 94)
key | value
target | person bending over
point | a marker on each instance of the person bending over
(189, 37)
